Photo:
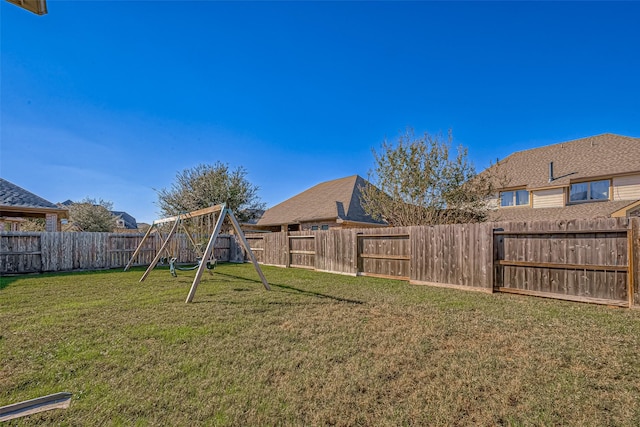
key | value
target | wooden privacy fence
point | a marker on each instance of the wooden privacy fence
(453, 256)
(581, 260)
(36, 252)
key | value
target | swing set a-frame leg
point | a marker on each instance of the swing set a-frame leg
(139, 248)
(162, 248)
(207, 253)
(206, 256)
(247, 248)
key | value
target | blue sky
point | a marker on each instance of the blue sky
(109, 100)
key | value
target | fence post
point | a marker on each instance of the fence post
(498, 254)
(287, 248)
(45, 253)
(631, 268)
(357, 252)
(314, 236)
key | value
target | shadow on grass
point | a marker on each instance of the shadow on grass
(293, 290)
(7, 280)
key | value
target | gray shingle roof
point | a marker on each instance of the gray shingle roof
(337, 199)
(129, 221)
(15, 196)
(602, 155)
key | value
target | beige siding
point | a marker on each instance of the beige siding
(553, 198)
(626, 188)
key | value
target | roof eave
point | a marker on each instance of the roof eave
(26, 211)
(621, 213)
(296, 221)
(547, 187)
(364, 223)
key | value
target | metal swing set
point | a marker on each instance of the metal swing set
(205, 261)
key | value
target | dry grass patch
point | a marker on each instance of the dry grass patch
(319, 349)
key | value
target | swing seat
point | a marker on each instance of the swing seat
(173, 267)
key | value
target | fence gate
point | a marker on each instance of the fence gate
(384, 255)
(587, 264)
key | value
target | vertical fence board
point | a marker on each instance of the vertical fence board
(635, 254)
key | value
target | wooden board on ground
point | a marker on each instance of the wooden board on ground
(33, 406)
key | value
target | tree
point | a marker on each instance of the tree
(421, 181)
(33, 224)
(92, 215)
(207, 185)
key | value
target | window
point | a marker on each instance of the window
(324, 227)
(314, 227)
(589, 191)
(514, 198)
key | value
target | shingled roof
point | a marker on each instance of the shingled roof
(583, 210)
(602, 155)
(339, 200)
(129, 221)
(15, 200)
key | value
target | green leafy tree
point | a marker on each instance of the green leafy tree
(92, 215)
(206, 185)
(423, 181)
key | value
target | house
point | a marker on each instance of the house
(594, 177)
(331, 204)
(16, 203)
(125, 221)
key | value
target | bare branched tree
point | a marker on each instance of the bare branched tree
(422, 181)
(208, 185)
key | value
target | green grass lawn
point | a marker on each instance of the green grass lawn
(319, 349)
